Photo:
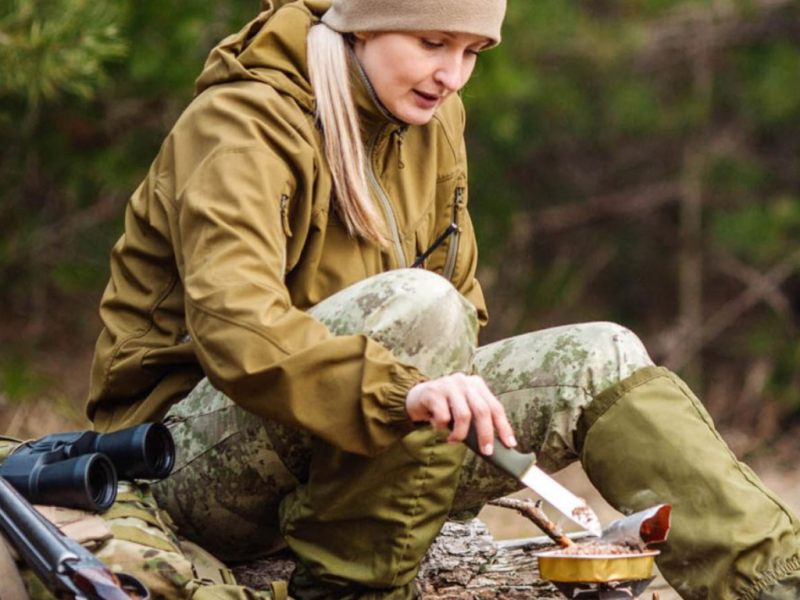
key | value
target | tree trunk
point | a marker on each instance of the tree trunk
(464, 563)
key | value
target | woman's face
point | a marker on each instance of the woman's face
(413, 72)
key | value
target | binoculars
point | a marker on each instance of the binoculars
(80, 469)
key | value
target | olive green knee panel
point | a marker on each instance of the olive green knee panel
(361, 525)
(648, 440)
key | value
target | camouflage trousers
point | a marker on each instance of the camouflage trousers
(243, 487)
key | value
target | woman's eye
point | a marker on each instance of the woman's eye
(432, 43)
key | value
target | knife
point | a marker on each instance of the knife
(523, 468)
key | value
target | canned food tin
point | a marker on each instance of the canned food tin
(555, 566)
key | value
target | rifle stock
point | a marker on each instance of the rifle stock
(64, 566)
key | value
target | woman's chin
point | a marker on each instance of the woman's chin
(415, 115)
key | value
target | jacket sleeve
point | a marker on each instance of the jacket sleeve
(269, 357)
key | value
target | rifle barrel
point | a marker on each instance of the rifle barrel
(63, 565)
(30, 530)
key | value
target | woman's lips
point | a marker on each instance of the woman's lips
(427, 101)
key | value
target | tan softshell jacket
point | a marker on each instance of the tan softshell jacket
(232, 236)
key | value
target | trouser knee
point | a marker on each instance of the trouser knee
(416, 314)
(613, 353)
(426, 311)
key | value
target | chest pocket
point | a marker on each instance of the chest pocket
(287, 232)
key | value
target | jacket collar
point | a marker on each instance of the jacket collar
(372, 113)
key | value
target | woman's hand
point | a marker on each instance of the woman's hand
(460, 399)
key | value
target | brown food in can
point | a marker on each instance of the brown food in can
(596, 548)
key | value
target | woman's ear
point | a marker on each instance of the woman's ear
(358, 39)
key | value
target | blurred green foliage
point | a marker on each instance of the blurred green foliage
(590, 128)
(20, 379)
(759, 232)
(50, 48)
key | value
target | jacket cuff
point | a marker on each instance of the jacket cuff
(395, 406)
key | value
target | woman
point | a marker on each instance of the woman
(268, 249)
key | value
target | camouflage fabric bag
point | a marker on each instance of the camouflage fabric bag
(136, 537)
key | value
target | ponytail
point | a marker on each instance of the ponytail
(337, 114)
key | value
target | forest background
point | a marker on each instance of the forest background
(635, 161)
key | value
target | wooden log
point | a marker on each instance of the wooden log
(464, 563)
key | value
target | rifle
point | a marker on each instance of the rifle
(66, 568)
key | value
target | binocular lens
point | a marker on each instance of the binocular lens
(88, 482)
(101, 484)
(159, 451)
(140, 452)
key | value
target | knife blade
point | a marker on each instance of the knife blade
(523, 467)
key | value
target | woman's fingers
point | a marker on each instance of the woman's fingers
(458, 401)
(461, 416)
(499, 420)
(489, 417)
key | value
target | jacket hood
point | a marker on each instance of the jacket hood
(270, 49)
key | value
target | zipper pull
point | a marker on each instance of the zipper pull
(399, 135)
(451, 229)
(459, 201)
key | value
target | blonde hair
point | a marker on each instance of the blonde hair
(337, 114)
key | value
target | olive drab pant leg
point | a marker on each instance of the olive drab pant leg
(648, 440)
(545, 379)
(359, 525)
(590, 392)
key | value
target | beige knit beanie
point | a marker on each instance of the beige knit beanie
(478, 17)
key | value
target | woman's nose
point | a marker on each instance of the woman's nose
(450, 75)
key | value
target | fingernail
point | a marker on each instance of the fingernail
(488, 449)
(512, 441)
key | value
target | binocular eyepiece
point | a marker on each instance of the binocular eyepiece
(80, 469)
(141, 452)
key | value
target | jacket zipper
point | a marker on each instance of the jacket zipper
(399, 135)
(387, 207)
(452, 251)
